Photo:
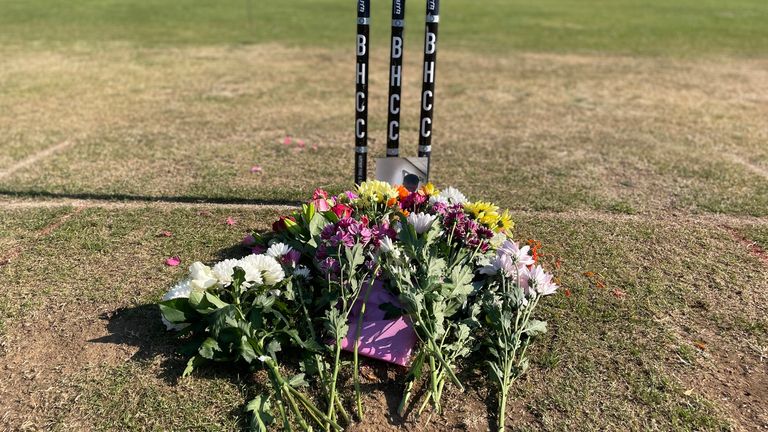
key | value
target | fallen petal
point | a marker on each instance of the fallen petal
(256, 169)
(230, 221)
(164, 234)
(314, 147)
(287, 140)
(173, 261)
(300, 143)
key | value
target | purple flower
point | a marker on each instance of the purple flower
(292, 257)
(329, 266)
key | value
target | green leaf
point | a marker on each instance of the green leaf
(436, 267)
(261, 415)
(495, 373)
(177, 310)
(535, 328)
(238, 279)
(273, 347)
(205, 302)
(297, 381)
(246, 350)
(355, 256)
(193, 363)
(208, 348)
(317, 223)
(224, 318)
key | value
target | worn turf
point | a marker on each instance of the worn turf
(636, 332)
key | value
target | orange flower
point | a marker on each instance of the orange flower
(391, 202)
(402, 191)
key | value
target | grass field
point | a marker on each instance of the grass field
(629, 137)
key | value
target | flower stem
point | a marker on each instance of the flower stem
(334, 377)
(317, 414)
(433, 381)
(355, 353)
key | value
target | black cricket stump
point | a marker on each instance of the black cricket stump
(428, 83)
(361, 91)
(397, 49)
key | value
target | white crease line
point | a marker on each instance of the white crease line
(35, 158)
(118, 205)
(750, 166)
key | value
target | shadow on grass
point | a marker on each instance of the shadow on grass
(148, 198)
(140, 327)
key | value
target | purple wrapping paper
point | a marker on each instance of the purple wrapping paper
(391, 341)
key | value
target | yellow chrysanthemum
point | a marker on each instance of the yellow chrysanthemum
(505, 222)
(429, 189)
(375, 191)
(488, 215)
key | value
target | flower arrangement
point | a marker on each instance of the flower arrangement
(446, 268)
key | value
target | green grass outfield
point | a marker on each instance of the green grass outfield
(647, 27)
(629, 137)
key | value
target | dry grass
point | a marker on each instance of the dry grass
(550, 132)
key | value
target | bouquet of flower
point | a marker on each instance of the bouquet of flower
(448, 266)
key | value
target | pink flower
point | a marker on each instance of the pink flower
(256, 169)
(519, 255)
(538, 281)
(173, 261)
(249, 240)
(319, 193)
(230, 221)
(321, 205)
(300, 143)
(287, 140)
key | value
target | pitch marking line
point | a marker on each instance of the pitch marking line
(35, 158)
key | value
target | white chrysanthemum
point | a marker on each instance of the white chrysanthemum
(449, 195)
(278, 249)
(266, 266)
(201, 276)
(181, 290)
(387, 246)
(421, 222)
(223, 270)
(275, 292)
(302, 271)
(253, 273)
